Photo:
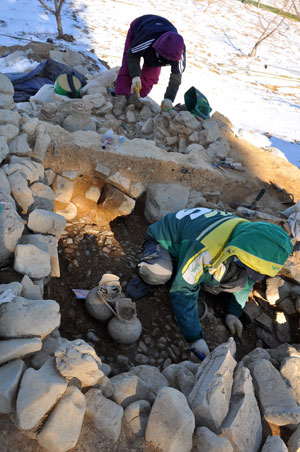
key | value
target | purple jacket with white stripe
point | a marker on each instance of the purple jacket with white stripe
(146, 30)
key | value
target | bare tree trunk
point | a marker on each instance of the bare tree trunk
(296, 5)
(58, 4)
(270, 28)
(59, 25)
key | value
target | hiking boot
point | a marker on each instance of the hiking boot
(119, 105)
(137, 288)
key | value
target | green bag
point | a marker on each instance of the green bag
(68, 85)
(197, 103)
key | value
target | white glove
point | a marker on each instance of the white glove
(136, 85)
(234, 324)
(200, 349)
(166, 105)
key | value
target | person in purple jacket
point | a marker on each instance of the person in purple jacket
(156, 40)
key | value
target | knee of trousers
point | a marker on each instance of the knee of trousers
(157, 271)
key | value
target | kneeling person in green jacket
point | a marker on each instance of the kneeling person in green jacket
(211, 250)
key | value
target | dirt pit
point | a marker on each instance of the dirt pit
(86, 253)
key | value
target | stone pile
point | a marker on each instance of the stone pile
(48, 385)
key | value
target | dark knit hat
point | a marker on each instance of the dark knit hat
(169, 45)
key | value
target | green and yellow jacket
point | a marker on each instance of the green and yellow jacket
(201, 242)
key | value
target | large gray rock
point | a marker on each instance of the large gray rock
(130, 388)
(93, 193)
(15, 288)
(78, 359)
(116, 201)
(171, 422)
(46, 222)
(20, 190)
(294, 441)
(290, 369)
(242, 425)
(210, 397)
(30, 290)
(277, 289)
(187, 119)
(219, 148)
(19, 146)
(11, 227)
(257, 353)
(277, 403)
(207, 441)
(63, 189)
(9, 117)
(4, 184)
(105, 414)
(43, 196)
(47, 243)
(151, 376)
(6, 101)
(18, 348)
(33, 170)
(9, 131)
(291, 268)
(10, 376)
(39, 392)
(164, 198)
(274, 444)
(6, 87)
(4, 149)
(30, 125)
(119, 181)
(136, 418)
(22, 317)
(62, 428)
(32, 261)
(180, 377)
(41, 146)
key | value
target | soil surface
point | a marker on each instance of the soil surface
(91, 250)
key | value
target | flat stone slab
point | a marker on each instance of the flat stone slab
(277, 403)
(130, 388)
(290, 369)
(150, 375)
(62, 428)
(294, 441)
(23, 317)
(105, 414)
(46, 222)
(171, 422)
(18, 348)
(10, 375)
(210, 442)
(274, 444)
(210, 397)
(39, 392)
(32, 261)
(242, 425)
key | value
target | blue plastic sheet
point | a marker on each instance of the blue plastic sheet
(27, 84)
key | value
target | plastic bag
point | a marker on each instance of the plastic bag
(44, 94)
